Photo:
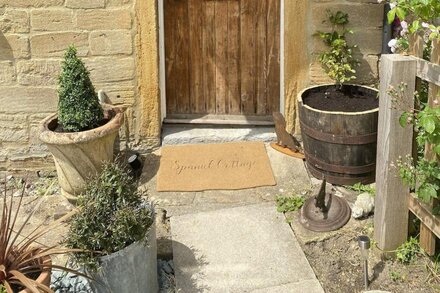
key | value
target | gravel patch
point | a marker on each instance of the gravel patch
(69, 283)
(167, 283)
(62, 282)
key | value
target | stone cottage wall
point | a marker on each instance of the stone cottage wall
(117, 39)
(33, 36)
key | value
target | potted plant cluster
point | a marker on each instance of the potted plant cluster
(26, 265)
(115, 225)
(81, 135)
(339, 121)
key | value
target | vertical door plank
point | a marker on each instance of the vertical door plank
(233, 80)
(196, 14)
(209, 55)
(261, 61)
(170, 55)
(273, 51)
(182, 56)
(221, 56)
(248, 56)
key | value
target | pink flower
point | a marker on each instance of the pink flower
(404, 26)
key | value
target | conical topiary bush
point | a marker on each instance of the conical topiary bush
(82, 134)
(78, 106)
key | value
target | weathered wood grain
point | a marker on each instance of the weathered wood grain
(197, 97)
(182, 56)
(391, 205)
(222, 56)
(216, 119)
(428, 71)
(273, 55)
(233, 90)
(261, 55)
(209, 56)
(248, 43)
(170, 55)
(416, 45)
(424, 213)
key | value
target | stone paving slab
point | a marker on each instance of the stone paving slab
(241, 249)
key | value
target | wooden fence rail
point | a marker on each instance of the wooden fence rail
(393, 198)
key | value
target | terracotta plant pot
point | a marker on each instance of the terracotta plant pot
(79, 155)
(44, 277)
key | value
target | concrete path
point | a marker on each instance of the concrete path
(241, 249)
(233, 240)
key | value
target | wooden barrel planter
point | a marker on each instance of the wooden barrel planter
(340, 144)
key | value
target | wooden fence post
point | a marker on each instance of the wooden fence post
(391, 211)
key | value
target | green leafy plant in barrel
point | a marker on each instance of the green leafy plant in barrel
(338, 61)
(78, 106)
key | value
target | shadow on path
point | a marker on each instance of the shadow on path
(188, 269)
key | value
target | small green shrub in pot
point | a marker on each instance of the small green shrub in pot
(112, 215)
(78, 105)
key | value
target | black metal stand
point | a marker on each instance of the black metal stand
(324, 212)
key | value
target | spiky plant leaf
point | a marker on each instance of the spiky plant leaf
(21, 257)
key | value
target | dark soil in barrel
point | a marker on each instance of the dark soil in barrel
(346, 99)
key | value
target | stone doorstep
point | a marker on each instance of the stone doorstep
(173, 134)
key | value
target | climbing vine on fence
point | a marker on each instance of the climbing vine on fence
(423, 176)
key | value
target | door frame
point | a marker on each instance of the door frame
(162, 68)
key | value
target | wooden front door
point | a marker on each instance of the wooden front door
(222, 57)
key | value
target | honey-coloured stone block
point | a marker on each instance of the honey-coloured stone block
(85, 4)
(14, 21)
(111, 42)
(52, 19)
(38, 72)
(54, 44)
(103, 19)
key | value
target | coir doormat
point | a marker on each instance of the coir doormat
(214, 166)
